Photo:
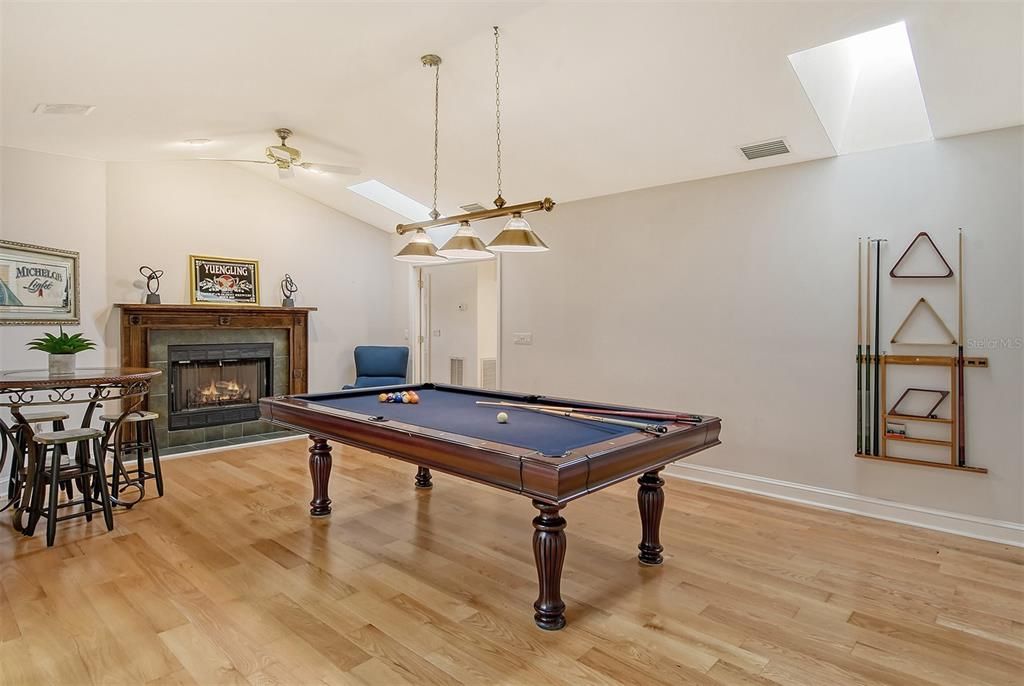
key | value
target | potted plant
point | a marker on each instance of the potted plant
(62, 350)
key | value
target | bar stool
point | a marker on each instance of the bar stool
(88, 463)
(143, 441)
(57, 418)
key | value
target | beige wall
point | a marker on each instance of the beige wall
(122, 215)
(57, 202)
(736, 296)
(159, 213)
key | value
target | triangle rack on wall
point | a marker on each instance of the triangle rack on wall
(935, 249)
(925, 305)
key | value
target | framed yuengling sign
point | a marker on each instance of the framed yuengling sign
(38, 285)
(223, 280)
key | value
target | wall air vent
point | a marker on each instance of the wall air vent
(457, 367)
(65, 108)
(489, 373)
(756, 151)
(472, 207)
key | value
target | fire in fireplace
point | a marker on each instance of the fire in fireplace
(217, 384)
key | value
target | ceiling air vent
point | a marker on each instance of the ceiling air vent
(756, 151)
(472, 207)
(63, 108)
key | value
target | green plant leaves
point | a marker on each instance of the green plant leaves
(62, 344)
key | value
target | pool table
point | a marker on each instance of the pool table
(550, 459)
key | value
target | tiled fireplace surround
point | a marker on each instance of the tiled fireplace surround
(225, 434)
(148, 330)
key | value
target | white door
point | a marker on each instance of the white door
(458, 324)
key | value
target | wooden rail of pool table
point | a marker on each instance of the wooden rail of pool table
(554, 479)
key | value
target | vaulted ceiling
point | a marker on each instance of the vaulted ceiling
(597, 98)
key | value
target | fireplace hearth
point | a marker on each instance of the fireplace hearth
(219, 383)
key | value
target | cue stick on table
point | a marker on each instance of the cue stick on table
(637, 414)
(961, 415)
(575, 414)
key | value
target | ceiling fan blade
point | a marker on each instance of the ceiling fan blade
(218, 159)
(331, 168)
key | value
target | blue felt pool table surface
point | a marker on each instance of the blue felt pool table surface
(456, 411)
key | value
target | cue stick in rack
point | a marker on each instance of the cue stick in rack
(876, 412)
(867, 354)
(961, 414)
(572, 413)
(860, 347)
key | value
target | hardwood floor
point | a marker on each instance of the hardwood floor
(228, 580)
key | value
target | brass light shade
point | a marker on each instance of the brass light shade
(420, 250)
(465, 245)
(517, 236)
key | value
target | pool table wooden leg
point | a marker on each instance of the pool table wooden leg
(320, 472)
(549, 553)
(423, 478)
(651, 499)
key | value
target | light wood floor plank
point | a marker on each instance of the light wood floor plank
(228, 580)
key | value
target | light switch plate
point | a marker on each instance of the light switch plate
(522, 339)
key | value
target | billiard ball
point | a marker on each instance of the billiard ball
(383, 397)
(503, 417)
(405, 398)
(414, 397)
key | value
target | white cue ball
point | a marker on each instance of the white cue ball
(503, 417)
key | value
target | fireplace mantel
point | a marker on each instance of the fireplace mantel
(138, 320)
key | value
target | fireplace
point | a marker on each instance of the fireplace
(214, 384)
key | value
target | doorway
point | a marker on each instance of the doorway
(458, 327)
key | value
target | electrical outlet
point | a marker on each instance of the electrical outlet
(522, 339)
(436, 333)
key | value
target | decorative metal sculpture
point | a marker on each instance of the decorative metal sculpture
(288, 289)
(152, 283)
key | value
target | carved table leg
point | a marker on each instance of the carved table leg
(423, 478)
(651, 499)
(320, 472)
(549, 553)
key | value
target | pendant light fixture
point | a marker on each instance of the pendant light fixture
(421, 250)
(516, 236)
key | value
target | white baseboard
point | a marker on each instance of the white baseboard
(995, 530)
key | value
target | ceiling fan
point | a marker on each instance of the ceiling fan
(286, 158)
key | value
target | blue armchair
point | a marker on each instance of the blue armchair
(380, 365)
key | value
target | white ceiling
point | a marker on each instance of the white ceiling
(598, 98)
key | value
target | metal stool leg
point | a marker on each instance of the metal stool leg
(155, 454)
(35, 498)
(115, 477)
(84, 481)
(99, 455)
(54, 486)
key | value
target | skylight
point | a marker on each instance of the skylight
(388, 197)
(865, 90)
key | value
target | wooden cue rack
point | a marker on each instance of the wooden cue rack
(923, 361)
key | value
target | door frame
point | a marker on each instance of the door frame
(419, 311)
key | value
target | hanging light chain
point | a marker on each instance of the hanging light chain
(499, 201)
(434, 214)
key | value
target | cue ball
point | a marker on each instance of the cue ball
(503, 417)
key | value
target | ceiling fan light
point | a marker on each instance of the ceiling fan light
(517, 236)
(420, 250)
(465, 245)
